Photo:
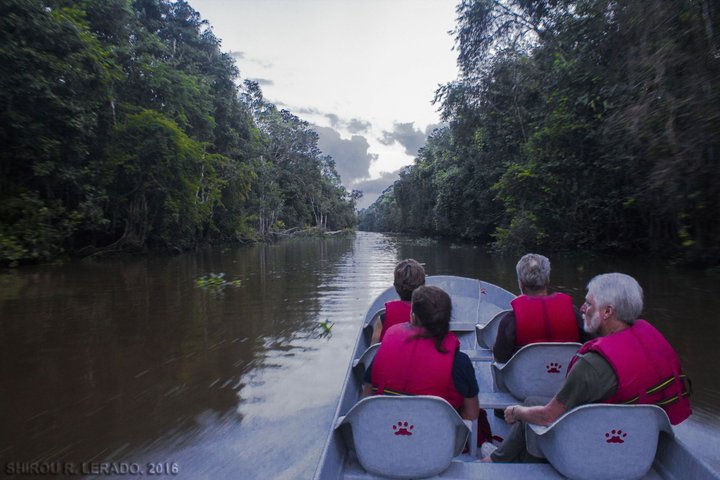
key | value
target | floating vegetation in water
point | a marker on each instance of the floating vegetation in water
(216, 282)
(324, 328)
(422, 242)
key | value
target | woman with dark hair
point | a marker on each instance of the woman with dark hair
(423, 357)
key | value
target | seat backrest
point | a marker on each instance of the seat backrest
(601, 441)
(361, 363)
(487, 333)
(464, 293)
(369, 327)
(537, 369)
(404, 437)
(493, 299)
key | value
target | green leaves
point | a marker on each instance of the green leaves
(588, 125)
(158, 165)
(123, 129)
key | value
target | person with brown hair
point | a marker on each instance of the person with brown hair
(409, 275)
(423, 357)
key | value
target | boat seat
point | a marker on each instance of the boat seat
(361, 363)
(370, 325)
(404, 437)
(465, 296)
(478, 354)
(487, 333)
(536, 370)
(493, 299)
(500, 400)
(465, 334)
(601, 441)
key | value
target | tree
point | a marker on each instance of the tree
(587, 125)
(47, 128)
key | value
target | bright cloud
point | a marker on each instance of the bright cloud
(352, 156)
(366, 69)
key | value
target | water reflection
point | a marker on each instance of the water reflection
(127, 360)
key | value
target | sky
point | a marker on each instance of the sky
(362, 72)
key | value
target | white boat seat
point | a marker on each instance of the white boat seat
(478, 354)
(536, 370)
(465, 296)
(370, 325)
(493, 299)
(404, 437)
(487, 333)
(601, 441)
(361, 363)
(496, 400)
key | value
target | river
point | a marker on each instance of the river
(132, 365)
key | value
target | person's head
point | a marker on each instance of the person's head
(431, 309)
(611, 296)
(409, 275)
(533, 273)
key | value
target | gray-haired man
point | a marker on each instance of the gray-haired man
(630, 362)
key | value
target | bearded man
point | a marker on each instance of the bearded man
(630, 362)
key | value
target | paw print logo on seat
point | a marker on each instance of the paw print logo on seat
(553, 367)
(615, 436)
(402, 428)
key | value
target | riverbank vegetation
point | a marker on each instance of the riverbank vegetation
(590, 125)
(123, 129)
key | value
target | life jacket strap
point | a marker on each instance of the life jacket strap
(387, 391)
(661, 385)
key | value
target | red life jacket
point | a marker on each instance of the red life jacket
(397, 311)
(413, 366)
(548, 318)
(647, 368)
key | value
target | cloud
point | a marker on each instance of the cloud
(238, 55)
(335, 121)
(307, 111)
(263, 81)
(354, 125)
(352, 159)
(373, 188)
(406, 135)
(377, 185)
(357, 126)
(434, 126)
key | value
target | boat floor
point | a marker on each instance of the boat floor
(461, 469)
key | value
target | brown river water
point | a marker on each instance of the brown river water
(123, 367)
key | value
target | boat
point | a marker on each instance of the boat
(605, 441)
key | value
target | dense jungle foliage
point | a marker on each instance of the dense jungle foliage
(591, 125)
(122, 128)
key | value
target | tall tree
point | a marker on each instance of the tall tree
(588, 125)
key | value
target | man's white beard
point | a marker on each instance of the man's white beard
(593, 325)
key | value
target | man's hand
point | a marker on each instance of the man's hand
(510, 414)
